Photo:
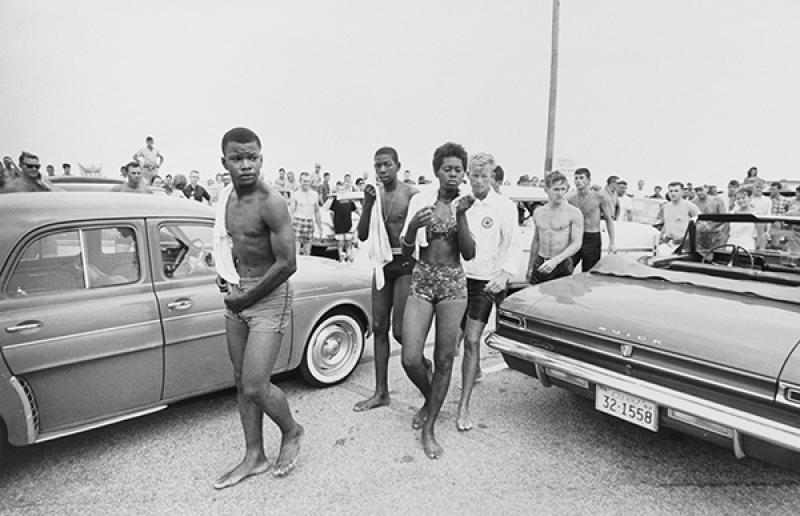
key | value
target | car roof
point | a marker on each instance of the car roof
(85, 180)
(27, 211)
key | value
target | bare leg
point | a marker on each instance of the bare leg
(257, 395)
(251, 415)
(469, 371)
(416, 324)
(381, 307)
(448, 318)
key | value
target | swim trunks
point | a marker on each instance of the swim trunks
(564, 268)
(480, 301)
(303, 229)
(436, 282)
(269, 314)
(590, 251)
(399, 266)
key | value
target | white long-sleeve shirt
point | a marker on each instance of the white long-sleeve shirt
(492, 222)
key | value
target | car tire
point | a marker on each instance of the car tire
(4, 446)
(333, 350)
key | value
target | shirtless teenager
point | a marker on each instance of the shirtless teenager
(391, 299)
(258, 308)
(557, 235)
(594, 206)
(133, 180)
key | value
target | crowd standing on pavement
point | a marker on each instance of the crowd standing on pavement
(439, 256)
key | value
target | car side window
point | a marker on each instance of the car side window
(49, 263)
(186, 250)
(111, 256)
(76, 259)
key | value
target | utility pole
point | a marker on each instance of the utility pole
(551, 112)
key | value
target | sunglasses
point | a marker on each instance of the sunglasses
(34, 166)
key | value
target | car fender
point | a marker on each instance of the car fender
(308, 310)
(16, 411)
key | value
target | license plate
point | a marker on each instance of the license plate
(627, 407)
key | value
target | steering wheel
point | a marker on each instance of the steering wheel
(709, 256)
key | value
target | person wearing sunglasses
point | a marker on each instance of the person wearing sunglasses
(30, 178)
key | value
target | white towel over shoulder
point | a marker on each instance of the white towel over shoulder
(379, 249)
(223, 243)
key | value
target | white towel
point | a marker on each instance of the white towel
(379, 249)
(223, 243)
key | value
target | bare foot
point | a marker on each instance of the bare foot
(290, 448)
(463, 422)
(247, 468)
(431, 447)
(419, 418)
(377, 400)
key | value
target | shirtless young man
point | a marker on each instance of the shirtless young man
(557, 235)
(133, 180)
(594, 206)
(391, 299)
(675, 214)
(258, 308)
(305, 211)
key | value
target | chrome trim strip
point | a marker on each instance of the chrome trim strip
(84, 262)
(193, 315)
(750, 424)
(81, 334)
(634, 360)
(30, 427)
(98, 424)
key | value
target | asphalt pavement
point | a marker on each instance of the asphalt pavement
(533, 451)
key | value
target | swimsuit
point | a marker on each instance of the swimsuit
(436, 282)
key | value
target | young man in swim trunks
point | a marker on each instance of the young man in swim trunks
(493, 222)
(594, 206)
(305, 210)
(557, 235)
(258, 307)
(391, 299)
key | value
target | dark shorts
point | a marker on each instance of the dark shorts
(436, 282)
(564, 268)
(590, 251)
(399, 266)
(480, 302)
(270, 314)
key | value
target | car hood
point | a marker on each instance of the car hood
(679, 313)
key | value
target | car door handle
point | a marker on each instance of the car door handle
(31, 325)
(181, 304)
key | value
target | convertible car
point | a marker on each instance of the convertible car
(109, 310)
(704, 341)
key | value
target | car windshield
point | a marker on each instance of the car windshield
(738, 246)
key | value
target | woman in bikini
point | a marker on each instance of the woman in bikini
(440, 233)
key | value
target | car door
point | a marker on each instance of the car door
(195, 353)
(80, 322)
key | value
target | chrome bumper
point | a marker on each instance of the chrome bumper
(738, 421)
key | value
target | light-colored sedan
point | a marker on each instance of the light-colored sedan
(109, 311)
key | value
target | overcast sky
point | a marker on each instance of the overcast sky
(694, 90)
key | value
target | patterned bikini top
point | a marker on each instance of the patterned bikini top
(442, 228)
